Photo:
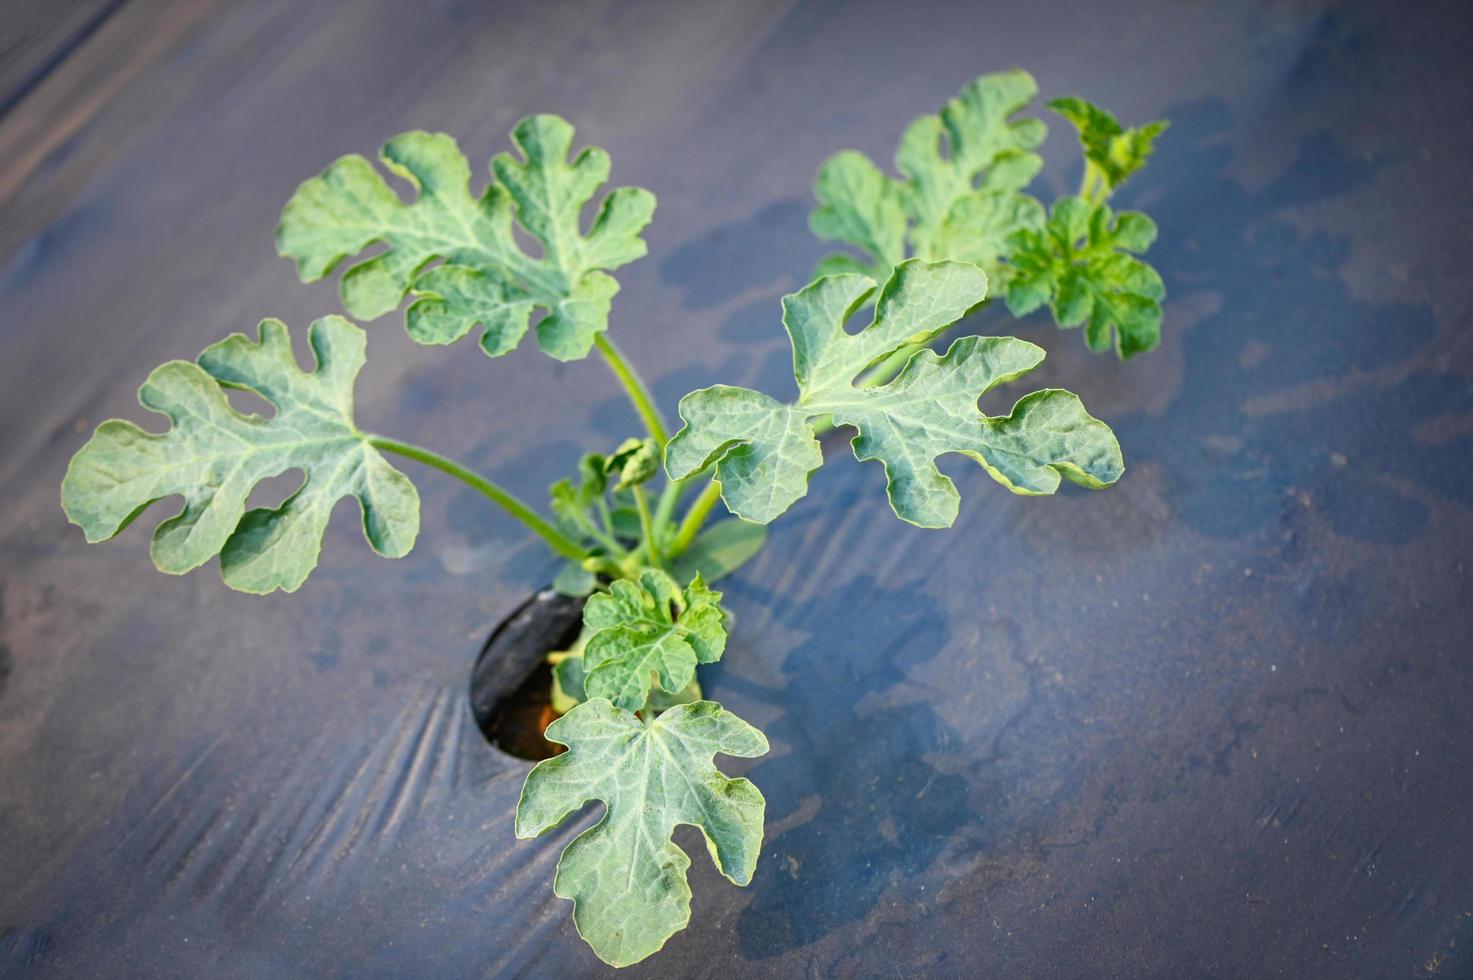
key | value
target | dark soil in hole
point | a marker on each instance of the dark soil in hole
(511, 686)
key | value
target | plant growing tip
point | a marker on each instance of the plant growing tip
(934, 244)
(1111, 152)
(969, 204)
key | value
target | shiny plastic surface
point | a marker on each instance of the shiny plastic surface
(1213, 722)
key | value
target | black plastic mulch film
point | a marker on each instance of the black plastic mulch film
(1211, 722)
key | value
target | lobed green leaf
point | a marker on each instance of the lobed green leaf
(986, 149)
(1081, 266)
(860, 204)
(648, 632)
(958, 196)
(214, 456)
(625, 877)
(764, 451)
(484, 277)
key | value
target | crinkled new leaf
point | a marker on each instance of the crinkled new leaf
(1081, 266)
(483, 276)
(635, 461)
(1115, 151)
(962, 203)
(648, 631)
(764, 450)
(214, 455)
(626, 878)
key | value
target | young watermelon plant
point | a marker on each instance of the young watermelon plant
(932, 244)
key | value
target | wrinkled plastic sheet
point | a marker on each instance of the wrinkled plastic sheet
(1212, 722)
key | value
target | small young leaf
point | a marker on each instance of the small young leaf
(648, 631)
(570, 502)
(568, 690)
(961, 204)
(625, 877)
(1115, 151)
(764, 450)
(567, 513)
(213, 456)
(634, 462)
(486, 278)
(719, 550)
(1079, 265)
(592, 480)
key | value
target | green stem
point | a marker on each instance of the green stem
(555, 539)
(889, 367)
(604, 516)
(1092, 186)
(669, 497)
(634, 387)
(603, 538)
(695, 517)
(603, 565)
(647, 524)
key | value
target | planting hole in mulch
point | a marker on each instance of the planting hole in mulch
(511, 686)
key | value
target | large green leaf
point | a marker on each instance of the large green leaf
(1114, 151)
(764, 450)
(213, 456)
(1081, 267)
(626, 879)
(484, 277)
(958, 196)
(648, 631)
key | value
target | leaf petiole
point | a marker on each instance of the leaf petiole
(555, 539)
(647, 525)
(603, 535)
(669, 498)
(695, 518)
(644, 404)
(605, 518)
(1092, 186)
